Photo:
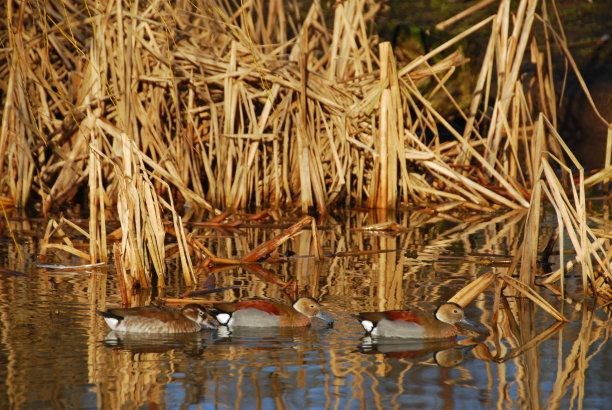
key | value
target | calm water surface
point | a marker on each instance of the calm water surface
(56, 352)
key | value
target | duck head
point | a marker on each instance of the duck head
(311, 308)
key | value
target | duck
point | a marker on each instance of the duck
(415, 325)
(158, 319)
(269, 313)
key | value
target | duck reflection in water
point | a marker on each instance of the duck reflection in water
(270, 336)
(445, 353)
(191, 344)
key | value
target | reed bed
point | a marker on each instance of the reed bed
(151, 109)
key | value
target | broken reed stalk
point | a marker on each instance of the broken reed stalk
(318, 249)
(469, 292)
(303, 135)
(382, 197)
(265, 248)
(57, 228)
(125, 281)
(97, 219)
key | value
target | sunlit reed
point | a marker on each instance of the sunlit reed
(217, 105)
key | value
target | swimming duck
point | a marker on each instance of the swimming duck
(268, 313)
(158, 319)
(415, 325)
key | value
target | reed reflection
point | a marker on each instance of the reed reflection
(51, 332)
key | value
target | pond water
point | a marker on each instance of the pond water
(56, 352)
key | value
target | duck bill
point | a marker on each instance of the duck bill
(324, 316)
(207, 324)
(468, 322)
(472, 329)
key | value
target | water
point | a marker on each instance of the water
(56, 352)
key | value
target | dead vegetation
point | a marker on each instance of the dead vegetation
(150, 108)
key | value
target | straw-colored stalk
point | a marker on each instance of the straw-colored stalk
(219, 106)
(226, 115)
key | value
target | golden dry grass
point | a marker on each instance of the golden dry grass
(150, 107)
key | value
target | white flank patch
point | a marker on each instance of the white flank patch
(367, 325)
(111, 322)
(223, 318)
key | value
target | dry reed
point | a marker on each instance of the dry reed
(214, 104)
